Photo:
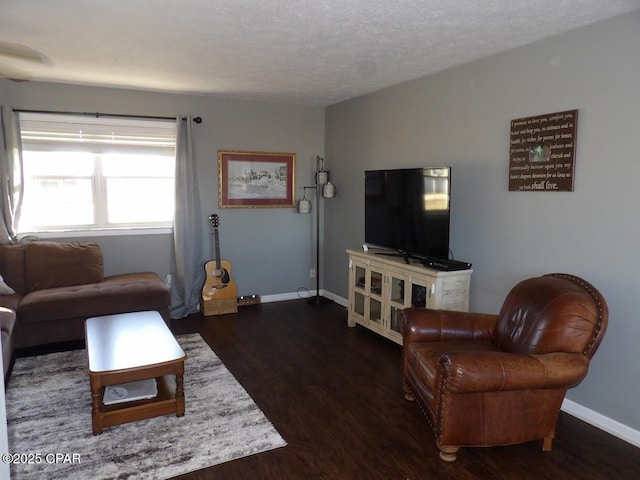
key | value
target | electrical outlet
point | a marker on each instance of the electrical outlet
(312, 273)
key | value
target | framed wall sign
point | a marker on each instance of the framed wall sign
(542, 152)
(255, 179)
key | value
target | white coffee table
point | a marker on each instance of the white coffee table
(129, 347)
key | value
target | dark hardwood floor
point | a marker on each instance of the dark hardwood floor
(334, 394)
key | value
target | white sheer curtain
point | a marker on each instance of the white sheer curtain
(187, 262)
(10, 174)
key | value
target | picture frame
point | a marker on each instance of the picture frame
(256, 179)
(542, 152)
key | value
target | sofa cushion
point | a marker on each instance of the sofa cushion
(12, 266)
(127, 292)
(61, 264)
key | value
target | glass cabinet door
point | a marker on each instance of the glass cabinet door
(397, 300)
(375, 296)
(405, 292)
(397, 289)
(419, 295)
(394, 321)
(367, 295)
(359, 289)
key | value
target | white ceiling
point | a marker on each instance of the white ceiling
(310, 52)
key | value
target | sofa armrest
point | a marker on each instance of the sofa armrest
(10, 301)
(7, 319)
(426, 325)
(467, 372)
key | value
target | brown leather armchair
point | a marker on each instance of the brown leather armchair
(486, 380)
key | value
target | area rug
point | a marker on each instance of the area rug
(49, 420)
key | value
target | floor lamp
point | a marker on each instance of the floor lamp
(324, 189)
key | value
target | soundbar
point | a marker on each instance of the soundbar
(431, 262)
(445, 264)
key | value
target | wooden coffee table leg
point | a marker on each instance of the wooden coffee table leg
(180, 389)
(96, 405)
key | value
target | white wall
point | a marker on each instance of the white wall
(461, 117)
(270, 248)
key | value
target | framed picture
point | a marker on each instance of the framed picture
(255, 179)
(542, 152)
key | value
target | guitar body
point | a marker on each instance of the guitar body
(219, 285)
(219, 293)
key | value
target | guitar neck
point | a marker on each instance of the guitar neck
(217, 248)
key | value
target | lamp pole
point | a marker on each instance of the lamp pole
(304, 206)
(317, 300)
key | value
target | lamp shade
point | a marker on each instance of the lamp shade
(322, 177)
(328, 190)
(304, 205)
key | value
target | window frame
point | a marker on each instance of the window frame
(126, 128)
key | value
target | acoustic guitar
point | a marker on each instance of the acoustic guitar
(219, 293)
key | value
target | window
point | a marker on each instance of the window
(86, 173)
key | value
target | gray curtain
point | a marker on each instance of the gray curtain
(187, 262)
(10, 174)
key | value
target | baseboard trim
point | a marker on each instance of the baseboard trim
(281, 297)
(331, 296)
(602, 422)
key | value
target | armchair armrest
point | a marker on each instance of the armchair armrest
(426, 325)
(465, 372)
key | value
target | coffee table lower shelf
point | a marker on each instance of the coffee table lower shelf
(165, 403)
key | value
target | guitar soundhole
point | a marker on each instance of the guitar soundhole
(223, 275)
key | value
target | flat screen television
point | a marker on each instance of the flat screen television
(408, 210)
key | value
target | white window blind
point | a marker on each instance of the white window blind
(77, 132)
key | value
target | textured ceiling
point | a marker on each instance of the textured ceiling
(310, 52)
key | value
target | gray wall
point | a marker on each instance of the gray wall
(461, 117)
(270, 248)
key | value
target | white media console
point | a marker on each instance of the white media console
(380, 286)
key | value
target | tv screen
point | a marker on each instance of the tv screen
(408, 210)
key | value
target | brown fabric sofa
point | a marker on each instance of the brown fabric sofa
(487, 380)
(58, 285)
